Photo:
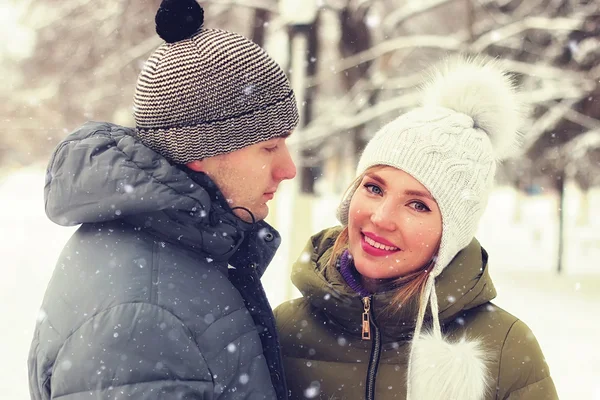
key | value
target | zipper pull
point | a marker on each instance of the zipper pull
(366, 319)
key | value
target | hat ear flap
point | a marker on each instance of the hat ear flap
(344, 207)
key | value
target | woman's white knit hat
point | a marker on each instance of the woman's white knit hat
(468, 120)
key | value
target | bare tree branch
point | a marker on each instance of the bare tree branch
(546, 122)
(547, 72)
(59, 12)
(580, 145)
(551, 92)
(410, 9)
(253, 4)
(595, 72)
(526, 8)
(507, 31)
(582, 119)
(454, 43)
(117, 62)
(317, 131)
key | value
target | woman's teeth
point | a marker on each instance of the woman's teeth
(378, 245)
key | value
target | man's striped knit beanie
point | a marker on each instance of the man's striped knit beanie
(207, 92)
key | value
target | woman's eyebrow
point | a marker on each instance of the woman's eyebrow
(420, 193)
(377, 178)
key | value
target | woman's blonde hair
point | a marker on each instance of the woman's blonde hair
(407, 288)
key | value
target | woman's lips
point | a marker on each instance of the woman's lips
(374, 251)
(379, 239)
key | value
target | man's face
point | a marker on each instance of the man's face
(250, 176)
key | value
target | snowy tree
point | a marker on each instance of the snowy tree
(85, 63)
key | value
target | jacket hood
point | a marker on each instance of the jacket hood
(102, 172)
(463, 285)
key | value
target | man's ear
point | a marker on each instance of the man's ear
(196, 165)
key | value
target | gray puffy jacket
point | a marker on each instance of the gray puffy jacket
(157, 295)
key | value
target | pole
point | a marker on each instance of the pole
(561, 221)
(301, 210)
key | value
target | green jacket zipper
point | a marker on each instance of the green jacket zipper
(368, 322)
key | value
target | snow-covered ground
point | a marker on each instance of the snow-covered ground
(561, 310)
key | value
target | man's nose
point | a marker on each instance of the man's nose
(285, 168)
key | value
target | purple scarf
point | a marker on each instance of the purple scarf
(350, 274)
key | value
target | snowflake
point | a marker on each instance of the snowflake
(262, 233)
(41, 315)
(304, 257)
(248, 90)
(372, 21)
(313, 390)
(66, 365)
(209, 318)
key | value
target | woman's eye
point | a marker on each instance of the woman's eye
(373, 189)
(271, 149)
(419, 206)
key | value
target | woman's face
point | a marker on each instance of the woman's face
(394, 225)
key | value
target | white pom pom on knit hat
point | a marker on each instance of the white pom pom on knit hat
(480, 89)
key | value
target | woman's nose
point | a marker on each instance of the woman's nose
(384, 217)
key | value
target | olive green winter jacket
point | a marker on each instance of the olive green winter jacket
(325, 357)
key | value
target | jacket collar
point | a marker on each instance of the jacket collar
(464, 284)
(101, 172)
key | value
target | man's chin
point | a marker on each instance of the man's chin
(261, 213)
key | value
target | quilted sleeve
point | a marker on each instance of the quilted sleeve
(524, 374)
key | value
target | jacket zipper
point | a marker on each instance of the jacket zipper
(368, 321)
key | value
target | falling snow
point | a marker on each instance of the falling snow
(313, 390)
(304, 257)
(527, 288)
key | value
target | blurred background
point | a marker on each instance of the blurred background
(354, 64)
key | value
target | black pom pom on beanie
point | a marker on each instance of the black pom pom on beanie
(178, 19)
